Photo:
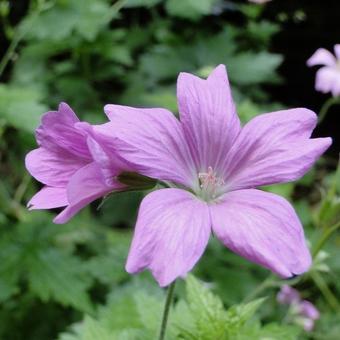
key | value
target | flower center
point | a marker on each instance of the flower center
(209, 184)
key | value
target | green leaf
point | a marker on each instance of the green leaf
(142, 3)
(285, 190)
(237, 315)
(55, 275)
(11, 266)
(207, 308)
(21, 107)
(121, 208)
(87, 18)
(94, 330)
(189, 9)
(249, 68)
(93, 17)
(108, 267)
(262, 31)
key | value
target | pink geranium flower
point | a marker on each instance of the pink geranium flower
(288, 295)
(72, 165)
(212, 166)
(309, 314)
(328, 76)
(302, 312)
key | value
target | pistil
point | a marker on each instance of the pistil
(209, 184)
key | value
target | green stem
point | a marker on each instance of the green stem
(166, 310)
(327, 201)
(20, 192)
(325, 236)
(270, 282)
(20, 34)
(326, 106)
(325, 290)
(266, 283)
(10, 51)
(117, 6)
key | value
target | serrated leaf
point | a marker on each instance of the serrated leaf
(189, 9)
(55, 275)
(207, 309)
(249, 68)
(94, 330)
(150, 310)
(21, 107)
(10, 269)
(85, 17)
(93, 16)
(262, 31)
(108, 268)
(239, 314)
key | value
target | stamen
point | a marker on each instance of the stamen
(209, 183)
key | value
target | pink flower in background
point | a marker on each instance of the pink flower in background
(328, 76)
(72, 165)
(212, 166)
(302, 312)
(309, 314)
(309, 310)
(288, 295)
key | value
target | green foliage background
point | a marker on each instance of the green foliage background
(68, 282)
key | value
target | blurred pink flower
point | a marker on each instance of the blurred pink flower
(72, 165)
(328, 76)
(287, 295)
(307, 315)
(212, 166)
(308, 310)
(303, 312)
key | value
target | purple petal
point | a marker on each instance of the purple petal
(53, 168)
(287, 295)
(57, 130)
(102, 149)
(208, 116)
(263, 228)
(328, 80)
(152, 140)
(48, 198)
(172, 231)
(337, 51)
(85, 186)
(308, 324)
(308, 310)
(274, 148)
(322, 57)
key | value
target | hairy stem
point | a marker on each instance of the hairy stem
(270, 282)
(326, 106)
(19, 35)
(325, 290)
(324, 238)
(166, 310)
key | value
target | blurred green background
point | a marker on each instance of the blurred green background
(68, 282)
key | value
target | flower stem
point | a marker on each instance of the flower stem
(326, 106)
(325, 290)
(268, 282)
(20, 34)
(166, 310)
(326, 235)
